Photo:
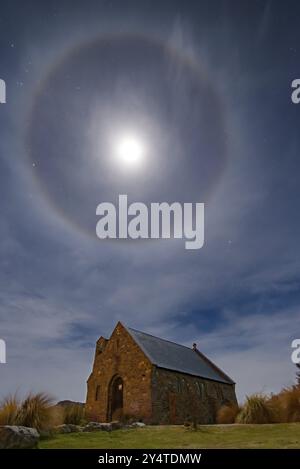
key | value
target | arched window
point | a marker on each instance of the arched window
(97, 393)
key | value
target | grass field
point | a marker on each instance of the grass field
(285, 435)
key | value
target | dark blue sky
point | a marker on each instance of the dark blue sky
(208, 86)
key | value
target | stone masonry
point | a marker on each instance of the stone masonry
(125, 384)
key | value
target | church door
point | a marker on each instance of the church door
(115, 399)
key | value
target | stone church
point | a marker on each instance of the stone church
(138, 376)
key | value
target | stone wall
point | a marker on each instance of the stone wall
(120, 356)
(151, 394)
(178, 397)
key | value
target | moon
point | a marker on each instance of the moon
(130, 150)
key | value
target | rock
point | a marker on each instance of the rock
(79, 428)
(68, 428)
(105, 427)
(92, 427)
(137, 425)
(116, 425)
(17, 437)
(44, 434)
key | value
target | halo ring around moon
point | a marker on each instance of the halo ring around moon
(49, 155)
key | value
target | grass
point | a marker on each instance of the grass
(227, 413)
(285, 435)
(35, 411)
(9, 409)
(74, 414)
(256, 409)
(289, 404)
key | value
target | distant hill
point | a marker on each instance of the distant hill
(67, 403)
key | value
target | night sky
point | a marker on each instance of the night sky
(207, 87)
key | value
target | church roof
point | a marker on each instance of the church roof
(176, 357)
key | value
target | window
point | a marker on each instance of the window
(97, 394)
(200, 389)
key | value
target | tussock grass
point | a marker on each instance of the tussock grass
(9, 409)
(35, 412)
(257, 409)
(74, 414)
(289, 403)
(227, 413)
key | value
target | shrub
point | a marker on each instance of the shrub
(227, 413)
(74, 414)
(289, 400)
(256, 409)
(9, 409)
(274, 403)
(35, 411)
